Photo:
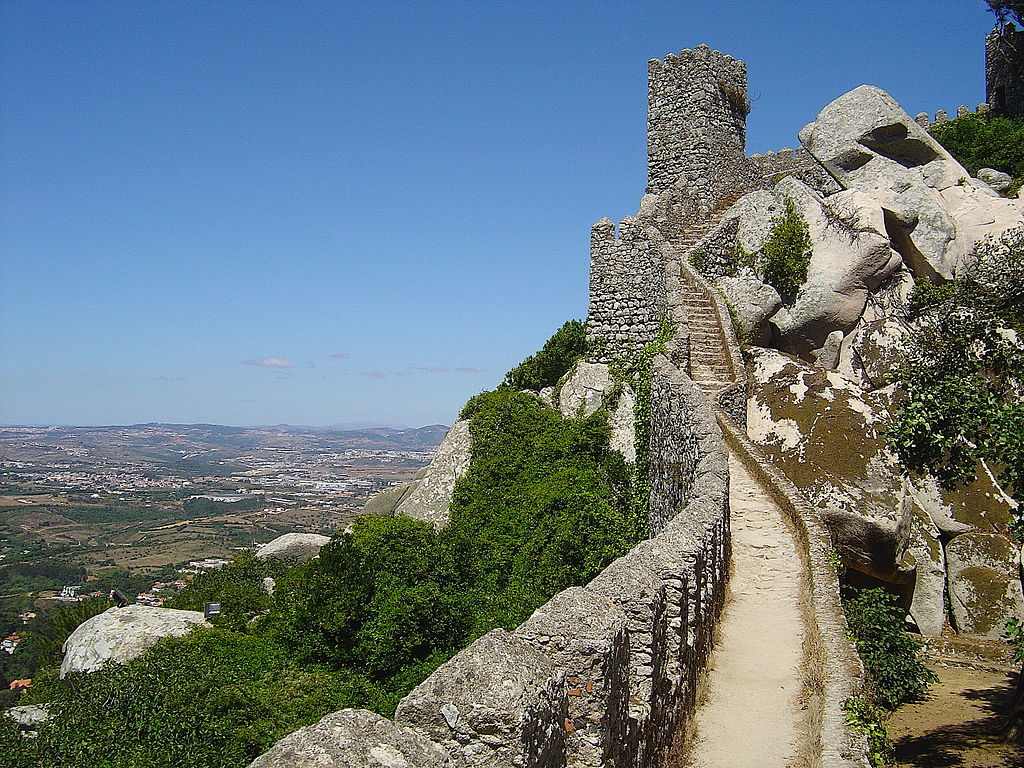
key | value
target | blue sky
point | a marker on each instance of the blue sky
(331, 212)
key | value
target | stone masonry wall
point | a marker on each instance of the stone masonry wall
(697, 109)
(627, 290)
(1004, 71)
(798, 163)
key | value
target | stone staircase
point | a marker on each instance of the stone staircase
(711, 366)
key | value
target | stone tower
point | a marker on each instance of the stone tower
(697, 109)
(1004, 71)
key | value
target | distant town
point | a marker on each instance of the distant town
(143, 509)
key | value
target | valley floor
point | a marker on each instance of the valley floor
(751, 710)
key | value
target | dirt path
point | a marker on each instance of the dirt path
(958, 724)
(751, 710)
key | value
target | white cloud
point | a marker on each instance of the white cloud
(269, 362)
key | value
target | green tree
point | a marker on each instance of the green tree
(787, 252)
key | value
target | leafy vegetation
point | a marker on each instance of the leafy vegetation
(637, 372)
(238, 587)
(787, 252)
(215, 698)
(864, 717)
(556, 357)
(985, 141)
(544, 505)
(890, 654)
(962, 372)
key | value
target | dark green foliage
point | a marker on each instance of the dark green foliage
(556, 357)
(864, 717)
(543, 506)
(926, 295)
(962, 371)
(889, 652)
(215, 698)
(985, 141)
(787, 252)
(238, 587)
(15, 750)
(45, 634)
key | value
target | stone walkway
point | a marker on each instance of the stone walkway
(750, 713)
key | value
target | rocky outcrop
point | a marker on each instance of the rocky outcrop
(997, 180)
(980, 506)
(928, 605)
(385, 502)
(753, 302)
(933, 213)
(871, 353)
(821, 430)
(298, 547)
(28, 717)
(119, 635)
(584, 390)
(353, 738)
(851, 257)
(590, 386)
(431, 497)
(984, 583)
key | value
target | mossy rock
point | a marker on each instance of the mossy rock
(984, 583)
(386, 502)
(823, 432)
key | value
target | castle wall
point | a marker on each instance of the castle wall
(627, 290)
(1004, 71)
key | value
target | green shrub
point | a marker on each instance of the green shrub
(985, 141)
(238, 587)
(556, 357)
(926, 295)
(890, 654)
(864, 717)
(962, 370)
(214, 698)
(787, 252)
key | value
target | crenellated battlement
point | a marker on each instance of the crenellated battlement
(942, 116)
(1004, 70)
(627, 289)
